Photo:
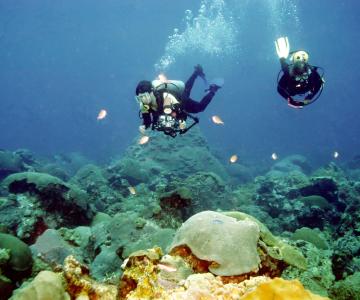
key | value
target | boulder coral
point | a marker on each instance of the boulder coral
(54, 195)
(230, 245)
(46, 285)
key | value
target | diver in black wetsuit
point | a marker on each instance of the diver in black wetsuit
(299, 78)
(167, 105)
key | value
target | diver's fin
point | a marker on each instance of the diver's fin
(215, 84)
(282, 47)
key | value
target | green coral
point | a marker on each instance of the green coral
(315, 200)
(347, 289)
(311, 236)
(318, 276)
(38, 180)
(276, 248)
(20, 258)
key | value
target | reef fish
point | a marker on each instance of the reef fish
(166, 268)
(274, 156)
(336, 154)
(143, 140)
(102, 114)
(217, 120)
(233, 158)
(132, 190)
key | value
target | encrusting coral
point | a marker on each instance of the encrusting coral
(81, 286)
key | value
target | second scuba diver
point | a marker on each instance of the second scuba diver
(299, 77)
(165, 106)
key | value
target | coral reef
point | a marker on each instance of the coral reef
(53, 194)
(291, 221)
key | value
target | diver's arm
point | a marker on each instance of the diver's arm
(284, 65)
(146, 120)
(316, 83)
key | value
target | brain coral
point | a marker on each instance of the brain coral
(214, 237)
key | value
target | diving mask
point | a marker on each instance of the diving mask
(144, 98)
(300, 56)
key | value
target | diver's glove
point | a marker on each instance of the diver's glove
(294, 104)
(198, 70)
(213, 88)
(142, 129)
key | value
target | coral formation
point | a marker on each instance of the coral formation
(229, 245)
(20, 255)
(79, 285)
(46, 285)
(53, 194)
(280, 289)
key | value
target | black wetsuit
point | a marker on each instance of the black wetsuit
(291, 84)
(187, 105)
(190, 105)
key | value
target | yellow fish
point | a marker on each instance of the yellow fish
(233, 158)
(143, 140)
(132, 190)
(274, 156)
(102, 114)
(217, 120)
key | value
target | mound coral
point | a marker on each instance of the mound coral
(230, 245)
(20, 254)
(46, 285)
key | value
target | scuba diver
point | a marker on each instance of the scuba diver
(166, 105)
(299, 78)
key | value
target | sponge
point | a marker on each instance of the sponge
(280, 289)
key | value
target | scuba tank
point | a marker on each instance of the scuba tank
(174, 87)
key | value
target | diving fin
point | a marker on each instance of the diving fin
(215, 84)
(282, 47)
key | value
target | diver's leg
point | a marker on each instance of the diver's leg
(189, 85)
(282, 88)
(192, 106)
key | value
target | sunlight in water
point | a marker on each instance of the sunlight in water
(284, 16)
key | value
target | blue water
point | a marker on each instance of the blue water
(63, 61)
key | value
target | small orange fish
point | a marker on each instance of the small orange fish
(143, 140)
(274, 156)
(217, 120)
(102, 114)
(132, 190)
(166, 268)
(162, 78)
(233, 158)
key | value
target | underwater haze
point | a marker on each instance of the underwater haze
(63, 61)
